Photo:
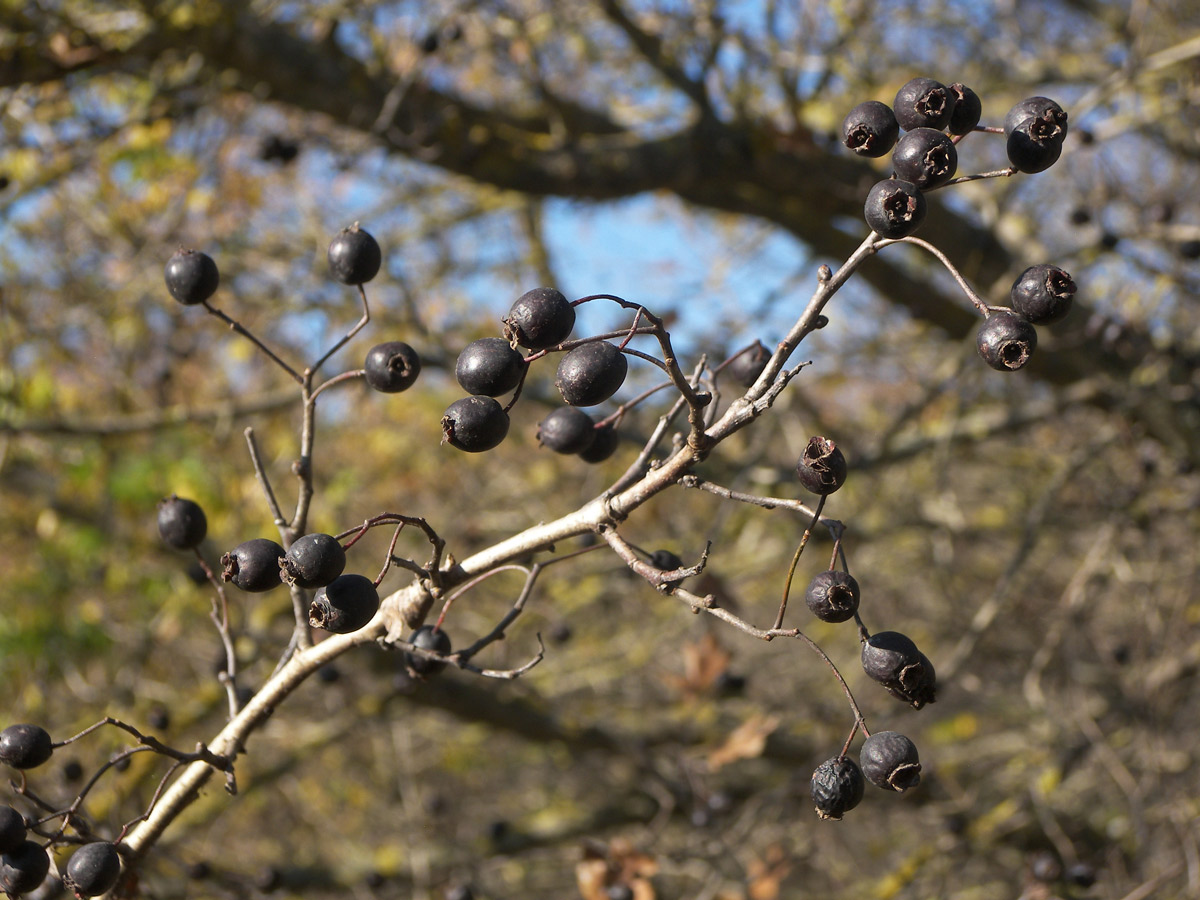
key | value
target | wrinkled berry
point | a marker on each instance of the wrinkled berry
(539, 319)
(604, 444)
(837, 787)
(832, 596)
(923, 103)
(313, 561)
(94, 869)
(1042, 294)
(1006, 340)
(427, 637)
(870, 129)
(967, 110)
(567, 430)
(191, 276)
(892, 659)
(354, 256)
(925, 157)
(821, 467)
(25, 746)
(894, 208)
(591, 373)
(345, 604)
(254, 565)
(392, 367)
(474, 424)
(489, 367)
(12, 829)
(23, 868)
(181, 523)
(889, 760)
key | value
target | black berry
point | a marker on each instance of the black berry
(345, 604)
(354, 256)
(474, 424)
(1042, 294)
(539, 319)
(1030, 154)
(1051, 119)
(604, 444)
(923, 103)
(12, 829)
(870, 129)
(1006, 340)
(313, 561)
(567, 430)
(892, 659)
(926, 157)
(832, 596)
(746, 366)
(591, 373)
(25, 746)
(460, 892)
(23, 868)
(967, 110)
(392, 367)
(890, 761)
(1190, 249)
(489, 367)
(894, 208)
(181, 523)
(191, 276)
(94, 869)
(837, 787)
(822, 466)
(427, 637)
(254, 565)
(665, 560)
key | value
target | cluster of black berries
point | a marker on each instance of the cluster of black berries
(1040, 295)
(889, 761)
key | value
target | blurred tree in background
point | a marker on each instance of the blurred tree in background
(1036, 533)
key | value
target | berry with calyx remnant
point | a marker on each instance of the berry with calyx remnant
(181, 523)
(254, 565)
(967, 109)
(345, 604)
(191, 276)
(392, 367)
(427, 637)
(354, 256)
(870, 129)
(12, 829)
(1042, 294)
(1051, 118)
(539, 319)
(1029, 153)
(474, 424)
(926, 157)
(591, 373)
(313, 561)
(822, 466)
(1006, 340)
(25, 746)
(746, 366)
(604, 444)
(890, 761)
(837, 787)
(567, 429)
(23, 868)
(832, 596)
(489, 367)
(892, 659)
(923, 103)
(894, 208)
(94, 869)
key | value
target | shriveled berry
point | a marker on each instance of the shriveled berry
(591, 373)
(94, 869)
(12, 829)
(427, 637)
(832, 596)
(474, 424)
(345, 604)
(354, 256)
(890, 761)
(23, 868)
(25, 746)
(539, 319)
(822, 466)
(181, 523)
(604, 444)
(967, 109)
(489, 367)
(894, 208)
(313, 561)
(1043, 294)
(892, 659)
(1030, 154)
(926, 157)
(837, 787)
(747, 365)
(254, 565)
(923, 103)
(392, 367)
(567, 430)
(870, 129)
(191, 276)
(1006, 340)
(1052, 118)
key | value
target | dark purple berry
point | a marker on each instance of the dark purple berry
(268, 880)
(489, 367)
(427, 637)
(1029, 154)
(1042, 294)
(1190, 249)
(25, 746)
(354, 256)
(822, 466)
(870, 129)
(926, 157)
(392, 367)
(604, 444)
(665, 560)
(345, 604)
(1081, 875)
(12, 829)
(191, 276)
(892, 659)
(254, 565)
(313, 561)
(94, 869)
(745, 366)
(923, 103)
(539, 319)
(591, 373)
(967, 110)
(474, 424)
(1006, 340)
(181, 523)
(159, 718)
(890, 761)
(567, 430)
(23, 868)
(894, 208)
(1051, 119)
(837, 787)
(832, 596)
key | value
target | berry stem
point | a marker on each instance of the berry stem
(338, 379)
(261, 474)
(220, 617)
(787, 584)
(244, 332)
(995, 173)
(358, 326)
(980, 305)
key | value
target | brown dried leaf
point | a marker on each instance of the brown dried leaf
(703, 663)
(766, 874)
(745, 742)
